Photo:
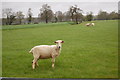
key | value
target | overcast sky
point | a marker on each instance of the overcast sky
(60, 5)
(60, 0)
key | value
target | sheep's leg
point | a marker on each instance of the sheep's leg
(53, 62)
(34, 62)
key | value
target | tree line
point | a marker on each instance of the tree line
(74, 14)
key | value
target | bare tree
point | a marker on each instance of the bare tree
(29, 14)
(46, 13)
(9, 14)
(113, 15)
(89, 16)
(55, 19)
(19, 16)
(74, 12)
(102, 15)
(71, 12)
(59, 15)
(67, 16)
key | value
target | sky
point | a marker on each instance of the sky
(61, 5)
(60, 0)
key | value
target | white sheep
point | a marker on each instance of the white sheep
(92, 24)
(45, 52)
(88, 24)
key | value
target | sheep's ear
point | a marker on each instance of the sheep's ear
(62, 42)
(55, 42)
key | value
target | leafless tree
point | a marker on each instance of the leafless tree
(29, 15)
(74, 13)
(59, 15)
(67, 16)
(89, 16)
(102, 15)
(9, 14)
(113, 15)
(19, 16)
(46, 13)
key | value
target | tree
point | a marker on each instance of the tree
(67, 16)
(9, 14)
(75, 13)
(113, 15)
(29, 14)
(59, 15)
(71, 10)
(89, 16)
(55, 19)
(102, 15)
(19, 16)
(46, 13)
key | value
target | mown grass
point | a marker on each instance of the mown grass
(88, 52)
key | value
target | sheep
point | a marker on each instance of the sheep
(45, 52)
(92, 24)
(88, 24)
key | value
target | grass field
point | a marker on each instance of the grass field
(88, 52)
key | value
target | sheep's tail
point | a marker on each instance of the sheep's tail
(31, 50)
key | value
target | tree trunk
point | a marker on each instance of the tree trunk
(20, 21)
(76, 20)
(72, 16)
(46, 17)
(46, 20)
(7, 20)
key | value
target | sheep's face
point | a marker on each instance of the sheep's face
(58, 43)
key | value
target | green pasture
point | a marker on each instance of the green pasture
(88, 52)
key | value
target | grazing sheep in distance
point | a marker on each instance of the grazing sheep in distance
(92, 24)
(45, 52)
(88, 24)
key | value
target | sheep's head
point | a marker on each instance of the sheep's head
(58, 43)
